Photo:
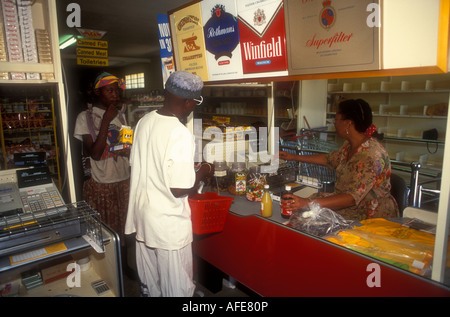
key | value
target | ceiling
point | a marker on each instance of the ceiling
(131, 26)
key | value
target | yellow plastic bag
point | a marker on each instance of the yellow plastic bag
(414, 256)
(388, 228)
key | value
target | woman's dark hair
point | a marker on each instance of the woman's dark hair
(358, 111)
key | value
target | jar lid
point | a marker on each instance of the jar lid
(220, 165)
(238, 166)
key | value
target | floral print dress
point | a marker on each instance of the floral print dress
(365, 176)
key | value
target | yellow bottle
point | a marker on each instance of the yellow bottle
(266, 203)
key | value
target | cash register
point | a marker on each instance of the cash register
(31, 189)
(32, 211)
(38, 231)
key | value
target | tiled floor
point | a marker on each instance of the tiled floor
(131, 289)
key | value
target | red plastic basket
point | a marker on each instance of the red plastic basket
(209, 212)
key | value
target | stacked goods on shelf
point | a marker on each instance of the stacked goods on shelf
(12, 34)
(230, 131)
(44, 51)
(24, 118)
(3, 54)
(23, 114)
(19, 42)
(27, 33)
(27, 126)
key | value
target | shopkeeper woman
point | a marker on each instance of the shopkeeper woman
(362, 165)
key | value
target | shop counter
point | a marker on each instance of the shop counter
(274, 260)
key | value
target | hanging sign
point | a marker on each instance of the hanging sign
(331, 36)
(87, 61)
(189, 41)
(165, 46)
(221, 30)
(91, 34)
(92, 43)
(262, 35)
(92, 52)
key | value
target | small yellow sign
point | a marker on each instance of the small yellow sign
(88, 61)
(92, 52)
(219, 119)
(92, 43)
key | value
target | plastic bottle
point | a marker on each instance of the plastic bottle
(266, 203)
(284, 212)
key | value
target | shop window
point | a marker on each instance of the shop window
(134, 81)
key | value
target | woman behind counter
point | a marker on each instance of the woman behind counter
(362, 165)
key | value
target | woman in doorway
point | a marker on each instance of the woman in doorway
(107, 190)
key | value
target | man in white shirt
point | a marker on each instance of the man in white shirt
(162, 177)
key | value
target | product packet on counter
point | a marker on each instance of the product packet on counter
(410, 255)
(391, 242)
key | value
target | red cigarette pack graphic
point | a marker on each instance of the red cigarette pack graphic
(262, 36)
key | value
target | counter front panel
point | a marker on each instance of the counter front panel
(274, 260)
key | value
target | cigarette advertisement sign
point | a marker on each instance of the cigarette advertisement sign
(262, 35)
(274, 38)
(221, 31)
(330, 36)
(190, 42)
(165, 45)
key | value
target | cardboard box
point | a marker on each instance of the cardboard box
(55, 272)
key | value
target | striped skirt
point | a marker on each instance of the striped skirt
(111, 202)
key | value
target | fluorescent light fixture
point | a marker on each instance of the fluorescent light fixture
(71, 40)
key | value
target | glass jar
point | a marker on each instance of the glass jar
(255, 183)
(220, 180)
(238, 179)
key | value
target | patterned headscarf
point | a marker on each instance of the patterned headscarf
(105, 79)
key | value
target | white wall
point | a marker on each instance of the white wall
(312, 103)
(410, 33)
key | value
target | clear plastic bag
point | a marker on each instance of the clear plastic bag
(318, 221)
